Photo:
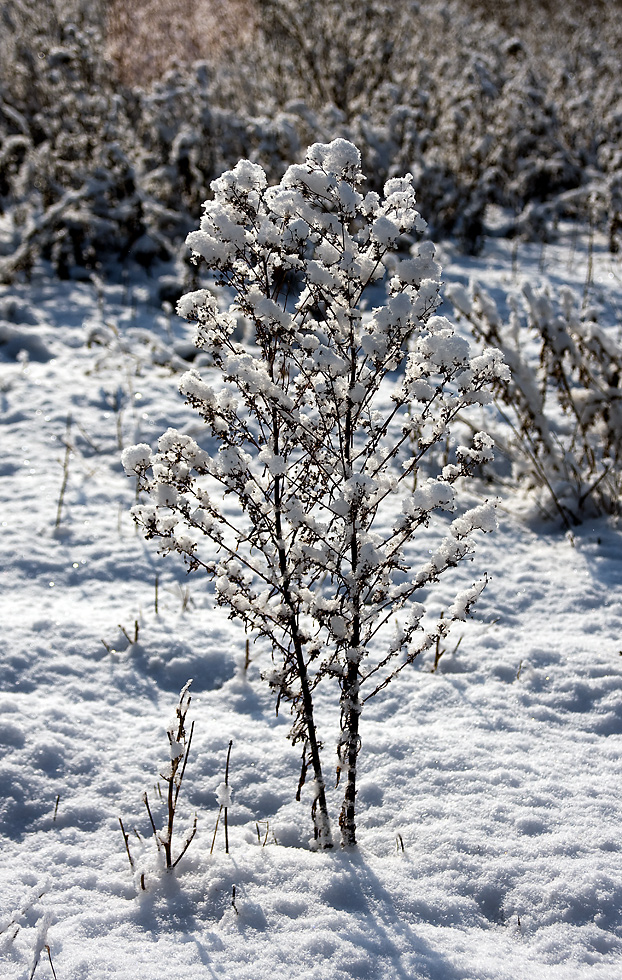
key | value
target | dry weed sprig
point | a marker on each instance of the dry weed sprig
(66, 460)
(179, 744)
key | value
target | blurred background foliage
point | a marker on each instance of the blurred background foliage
(115, 118)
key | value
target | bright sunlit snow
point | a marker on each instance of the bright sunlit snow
(489, 808)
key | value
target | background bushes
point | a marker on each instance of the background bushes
(114, 123)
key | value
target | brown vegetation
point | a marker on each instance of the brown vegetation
(146, 38)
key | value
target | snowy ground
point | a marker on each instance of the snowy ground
(499, 773)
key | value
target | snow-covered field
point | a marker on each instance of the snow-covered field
(489, 804)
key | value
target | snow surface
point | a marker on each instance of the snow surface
(489, 799)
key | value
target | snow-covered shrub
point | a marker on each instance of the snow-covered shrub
(67, 168)
(563, 400)
(303, 432)
(333, 53)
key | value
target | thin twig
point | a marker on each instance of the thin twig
(47, 949)
(187, 843)
(593, 486)
(125, 634)
(211, 850)
(126, 840)
(226, 808)
(68, 451)
(183, 768)
(151, 820)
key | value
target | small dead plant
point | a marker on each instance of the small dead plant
(173, 775)
(180, 740)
